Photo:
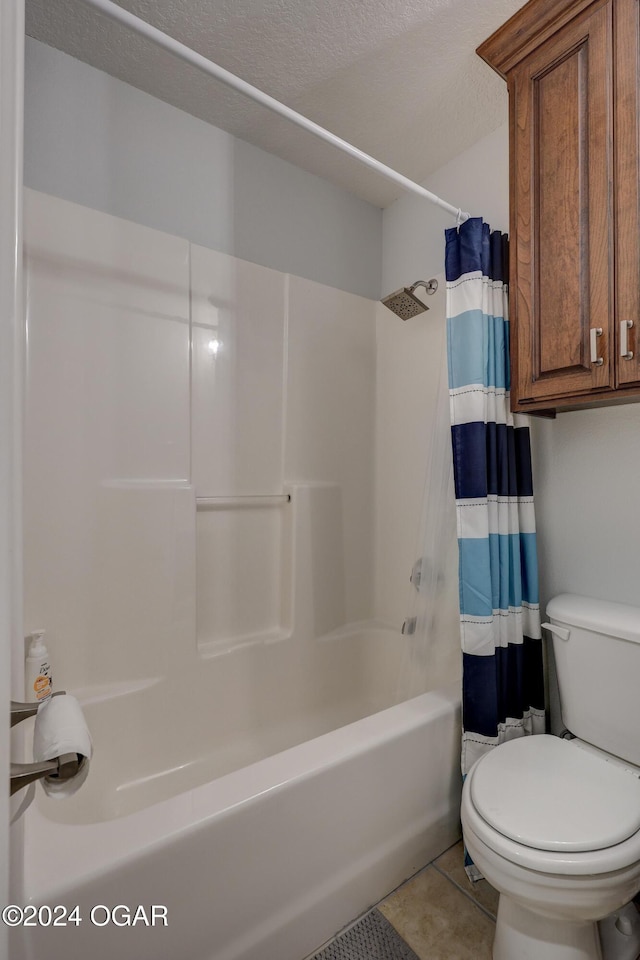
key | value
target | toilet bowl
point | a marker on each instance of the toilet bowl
(554, 826)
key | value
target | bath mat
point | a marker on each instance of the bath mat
(372, 938)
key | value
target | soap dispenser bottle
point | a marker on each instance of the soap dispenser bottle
(38, 680)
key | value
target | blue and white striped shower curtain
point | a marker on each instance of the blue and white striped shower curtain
(503, 690)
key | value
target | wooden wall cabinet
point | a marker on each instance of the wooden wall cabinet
(573, 73)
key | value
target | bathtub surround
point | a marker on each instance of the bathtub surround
(119, 560)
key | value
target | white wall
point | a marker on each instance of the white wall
(94, 140)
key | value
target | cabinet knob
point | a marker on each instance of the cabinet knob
(625, 326)
(594, 333)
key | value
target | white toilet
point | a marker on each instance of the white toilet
(554, 824)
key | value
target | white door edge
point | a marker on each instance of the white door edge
(11, 385)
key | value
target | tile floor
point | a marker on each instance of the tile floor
(441, 915)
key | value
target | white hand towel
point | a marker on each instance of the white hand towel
(61, 728)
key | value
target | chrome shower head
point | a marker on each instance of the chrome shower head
(404, 302)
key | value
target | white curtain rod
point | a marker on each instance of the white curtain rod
(112, 10)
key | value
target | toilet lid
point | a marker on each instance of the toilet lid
(545, 793)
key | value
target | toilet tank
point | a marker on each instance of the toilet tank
(597, 655)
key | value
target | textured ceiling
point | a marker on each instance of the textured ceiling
(397, 78)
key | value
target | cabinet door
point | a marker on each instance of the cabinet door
(561, 113)
(627, 191)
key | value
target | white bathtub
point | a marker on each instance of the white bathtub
(254, 859)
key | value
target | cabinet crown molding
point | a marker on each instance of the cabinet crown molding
(526, 30)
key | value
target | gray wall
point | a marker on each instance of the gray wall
(476, 180)
(587, 465)
(94, 140)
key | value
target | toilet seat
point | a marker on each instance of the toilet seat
(544, 793)
(526, 773)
